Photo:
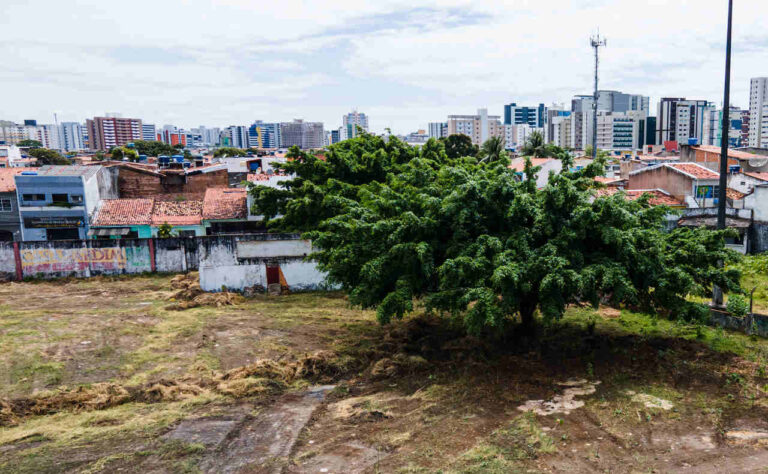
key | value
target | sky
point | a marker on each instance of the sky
(404, 63)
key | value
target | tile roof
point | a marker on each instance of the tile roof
(659, 197)
(7, 183)
(607, 180)
(518, 164)
(225, 203)
(695, 170)
(733, 194)
(762, 176)
(736, 154)
(177, 212)
(114, 212)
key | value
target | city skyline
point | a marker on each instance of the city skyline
(404, 66)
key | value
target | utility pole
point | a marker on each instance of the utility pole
(717, 293)
(596, 42)
(726, 122)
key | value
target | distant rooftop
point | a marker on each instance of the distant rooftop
(68, 170)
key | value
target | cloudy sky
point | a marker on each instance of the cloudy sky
(404, 63)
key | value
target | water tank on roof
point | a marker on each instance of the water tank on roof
(142, 157)
(693, 141)
(178, 158)
(163, 160)
(29, 173)
(187, 164)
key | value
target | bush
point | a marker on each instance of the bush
(737, 305)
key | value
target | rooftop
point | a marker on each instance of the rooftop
(659, 197)
(692, 170)
(225, 203)
(736, 154)
(124, 212)
(68, 170)
(518, 164)
(177, 212)
(7, 182)
(762, 176)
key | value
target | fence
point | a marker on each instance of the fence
(234, 262)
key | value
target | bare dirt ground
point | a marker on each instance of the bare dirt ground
(101, 376)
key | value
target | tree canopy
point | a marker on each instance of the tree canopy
(121, 152)
(153, 148)
(228, 151)
(46, 156)
(393, 224)
(30, 143)
(459, 145)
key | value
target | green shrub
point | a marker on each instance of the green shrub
(737, 305)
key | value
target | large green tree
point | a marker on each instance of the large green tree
(393, 224)
(120, 153)
(30, 143)
(153, 148)
(493, 150)
(459, 145)
(48, 157)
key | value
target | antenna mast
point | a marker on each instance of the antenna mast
(596, 41)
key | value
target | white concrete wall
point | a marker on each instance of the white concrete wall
(758, 202)
(7, 261)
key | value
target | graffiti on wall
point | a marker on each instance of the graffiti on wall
(49, 260)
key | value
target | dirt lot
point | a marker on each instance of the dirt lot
(102, 376)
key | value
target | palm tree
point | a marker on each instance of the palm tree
(534, 146)
(493, 149)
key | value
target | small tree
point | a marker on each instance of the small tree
(48, 157)
(228, 151)
(535, 146)
(165, 231)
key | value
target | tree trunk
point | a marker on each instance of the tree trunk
(527, 314)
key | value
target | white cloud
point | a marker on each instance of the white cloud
(215, 63)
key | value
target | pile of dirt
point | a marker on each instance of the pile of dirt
(188, 294)
(263, 377)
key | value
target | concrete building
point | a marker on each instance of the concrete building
(713, 127)
(618, 130)
(546, 165)
(56, 202)
(517, 115)
(611, 101)
(10, 155)
(560, 130)
(148, 132)
(758, 112)
(581, 129)
(107, 132)
(235, 136)
(10, 222)
(438, 129)
(691, 183)
(515, 136)
(264, 135)
(478, 128)
(71, 136)
(305, 135)
(351, 121)
(680, 120)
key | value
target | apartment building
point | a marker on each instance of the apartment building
(713, 127)
(438, 129)
(105, 133)
(351, 121)
(478, 128)
(305, 135)
(680, 120)
(758, 112)
(517, 115)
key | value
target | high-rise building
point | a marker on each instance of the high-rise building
(517, 114)
(758, 112)
(48, 135)
(581, 129)
(478, 127)
(437, 129)
(680, 120)
(264, 135)
(107, 132)
(148, 132)
(713, 127)
(235, 136)
(549, 128)
(515, 136)
(305, 135)
(71, 136)
(351, 121)
(619, 130)
(745, 127)
(559, 127)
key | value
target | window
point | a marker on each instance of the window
(33, 197)
(76, 199)
(5, 205)
(59, 198)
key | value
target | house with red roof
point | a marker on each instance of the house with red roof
(10, 222)
(745, 182)
(690, 183)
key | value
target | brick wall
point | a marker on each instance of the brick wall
(137, 184)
